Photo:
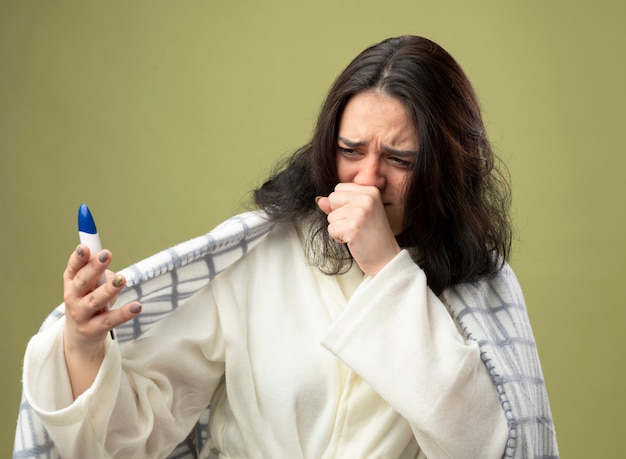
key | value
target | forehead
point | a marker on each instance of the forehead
(376, 117)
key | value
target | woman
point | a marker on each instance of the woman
(343, 332)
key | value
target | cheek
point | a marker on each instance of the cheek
(345, 172)
(399, 183)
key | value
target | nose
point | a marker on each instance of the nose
(370, 174)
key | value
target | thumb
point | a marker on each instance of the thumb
(324, 204)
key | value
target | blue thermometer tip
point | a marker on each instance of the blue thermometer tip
(85, 220)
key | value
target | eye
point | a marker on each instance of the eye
(399, 162)
(346, 151)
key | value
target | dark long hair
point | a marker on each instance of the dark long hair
(456, 222)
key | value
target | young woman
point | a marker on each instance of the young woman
(347, 331)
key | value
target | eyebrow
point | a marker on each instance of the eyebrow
(393, 151)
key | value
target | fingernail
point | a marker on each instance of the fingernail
(119, 280)
(79, 251)
(135, 309)
(103, 256)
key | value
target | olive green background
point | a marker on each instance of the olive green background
(162, 115)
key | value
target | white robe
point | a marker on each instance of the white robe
(292, 369)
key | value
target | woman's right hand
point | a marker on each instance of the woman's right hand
(88, 318)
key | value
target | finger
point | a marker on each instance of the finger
(86, 279)
(102, 298)
(77, 260)
(351, 206)
(118, 282)
(100, 325)
(337, 233)
(345, 196)
(345, 186)
(342, 226)
(116, 317)
(349, 191)
(324, 204)
(356, 188)
(342, 195)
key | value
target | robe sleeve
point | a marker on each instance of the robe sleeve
(147, 394)
(400, 338)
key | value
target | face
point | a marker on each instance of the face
(376, 146)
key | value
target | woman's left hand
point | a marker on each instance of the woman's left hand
(357, 217)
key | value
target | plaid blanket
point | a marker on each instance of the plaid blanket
(491, 311)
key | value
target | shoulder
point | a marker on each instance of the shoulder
(491, 306)
(501, 289)
(261, 244)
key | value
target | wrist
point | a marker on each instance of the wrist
(392, 253)
(78, 346)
